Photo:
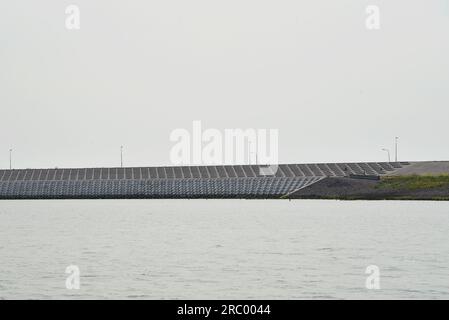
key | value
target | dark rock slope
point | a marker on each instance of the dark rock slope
(351, 189)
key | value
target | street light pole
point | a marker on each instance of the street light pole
(10, 159)
(396, 149)
(121, 156)
(388, 151)
(249, 152)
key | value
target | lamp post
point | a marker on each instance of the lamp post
(250, 153)
(387, 151)
(10, 159)
(121, 156)
(396, 149)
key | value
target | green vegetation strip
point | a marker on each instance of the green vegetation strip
(414, 182)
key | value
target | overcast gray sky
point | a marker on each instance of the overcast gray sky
(136, 70)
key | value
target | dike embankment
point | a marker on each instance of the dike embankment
(407, 187)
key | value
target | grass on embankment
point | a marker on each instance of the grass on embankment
(414, 182)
